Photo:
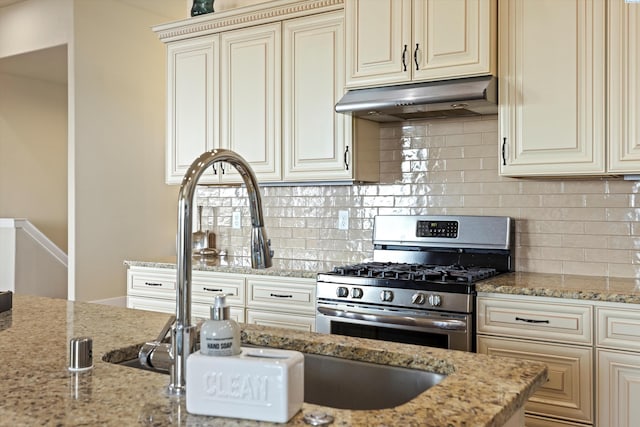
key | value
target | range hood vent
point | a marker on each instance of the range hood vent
(472, 96)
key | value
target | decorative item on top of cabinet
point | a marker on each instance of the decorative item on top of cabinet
(200, 7)
(572, 109)
(237, 87)
(399, 41)
(552, 331)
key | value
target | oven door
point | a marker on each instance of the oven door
(424, 327)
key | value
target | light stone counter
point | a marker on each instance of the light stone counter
(241, 265)
(589, 288)
(37, 389)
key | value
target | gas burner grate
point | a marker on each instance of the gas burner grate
(416, 272)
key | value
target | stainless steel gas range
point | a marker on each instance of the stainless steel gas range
(420, 286)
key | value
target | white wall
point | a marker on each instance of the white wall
(33, 154)
(121, 207)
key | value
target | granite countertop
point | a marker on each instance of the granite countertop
(590, 288)
(38, 389)
(240, 265)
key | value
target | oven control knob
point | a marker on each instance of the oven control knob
(356, 293)
(435, 300)
(386, 296)
(418, 298)
(342, 292)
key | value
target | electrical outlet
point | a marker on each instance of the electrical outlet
(343, 220)
(236, 220)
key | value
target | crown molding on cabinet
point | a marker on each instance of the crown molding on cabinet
(261, 13)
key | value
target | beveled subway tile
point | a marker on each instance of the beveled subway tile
(623, 270)
(496, 187)
(583, 187)
(519, 200)
(623, 242)
(445, 127)
(584, 268)
(465, 140)
(479, 126)
(481, 201)
(584, 241)
(623, 214)
(608, 228)
(608, 200)
(609, 256)
(562, 200)
(540, 240)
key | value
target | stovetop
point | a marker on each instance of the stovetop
(422, 277)
(416, 272)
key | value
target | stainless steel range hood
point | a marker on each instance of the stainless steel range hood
(449, 98)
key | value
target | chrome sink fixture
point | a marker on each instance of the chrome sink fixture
(355, 385)
(173, 356)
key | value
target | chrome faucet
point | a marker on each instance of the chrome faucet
(173, 357)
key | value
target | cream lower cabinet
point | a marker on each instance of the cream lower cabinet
(284, 302)
(281, 302)
(154, 289)
(551, 331)
(618, 363)
(400, 41)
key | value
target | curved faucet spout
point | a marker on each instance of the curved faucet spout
(183, 332)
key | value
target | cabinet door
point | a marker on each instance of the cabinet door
(315, 136)
(281, 320)
(624, 90)
(378, 42)
(250, 99)
(618, 389)
(192, 99)
(569, 391)
(453, 38)
(551, 87)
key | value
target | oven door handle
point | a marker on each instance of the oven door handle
(448, 324)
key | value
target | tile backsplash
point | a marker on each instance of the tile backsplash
(573, 226)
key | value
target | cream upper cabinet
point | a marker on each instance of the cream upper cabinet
(552, 87)
(250, 104)
(315, 137)
(192, 96)
(623, 89)
(263, 80)
(398, 41)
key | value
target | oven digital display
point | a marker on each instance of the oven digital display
(446, 229)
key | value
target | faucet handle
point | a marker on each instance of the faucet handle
(166, 328)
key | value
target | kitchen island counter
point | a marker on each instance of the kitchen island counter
(39, 390)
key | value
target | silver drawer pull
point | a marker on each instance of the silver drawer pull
(212, 289)
(531, 320)
(152, 284)
(281, 296)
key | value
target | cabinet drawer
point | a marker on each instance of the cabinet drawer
(282, 294)
(540, 320)
(203, 312)
(534, 421)
(151, 304)
(205, 285)
(155, 282)
(282, 320)
(618, 328)
(568, 392)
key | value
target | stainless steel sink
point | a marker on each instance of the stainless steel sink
(349, 384)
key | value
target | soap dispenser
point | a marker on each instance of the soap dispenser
(220, 336)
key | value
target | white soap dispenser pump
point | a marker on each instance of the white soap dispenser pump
(220, 336)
